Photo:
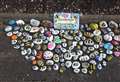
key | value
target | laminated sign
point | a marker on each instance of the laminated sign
(66, 21)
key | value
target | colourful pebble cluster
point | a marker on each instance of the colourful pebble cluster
(84, 50)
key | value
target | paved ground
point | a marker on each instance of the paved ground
(14, 68)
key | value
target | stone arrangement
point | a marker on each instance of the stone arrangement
(85, 50)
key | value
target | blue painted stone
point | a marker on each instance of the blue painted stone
(98, 58)
(12, 23)
(108, 46)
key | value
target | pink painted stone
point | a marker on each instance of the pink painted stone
(117, 53)
(58, 46)
(117, 37)
(114, 42)
(51, 45)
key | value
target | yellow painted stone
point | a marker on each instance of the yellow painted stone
(93, 26)
(94, 67)
(109, 58)
(78, 46)
(61, 70)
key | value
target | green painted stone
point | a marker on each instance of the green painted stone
(57, 40)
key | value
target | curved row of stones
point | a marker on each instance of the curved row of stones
(84, 50)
